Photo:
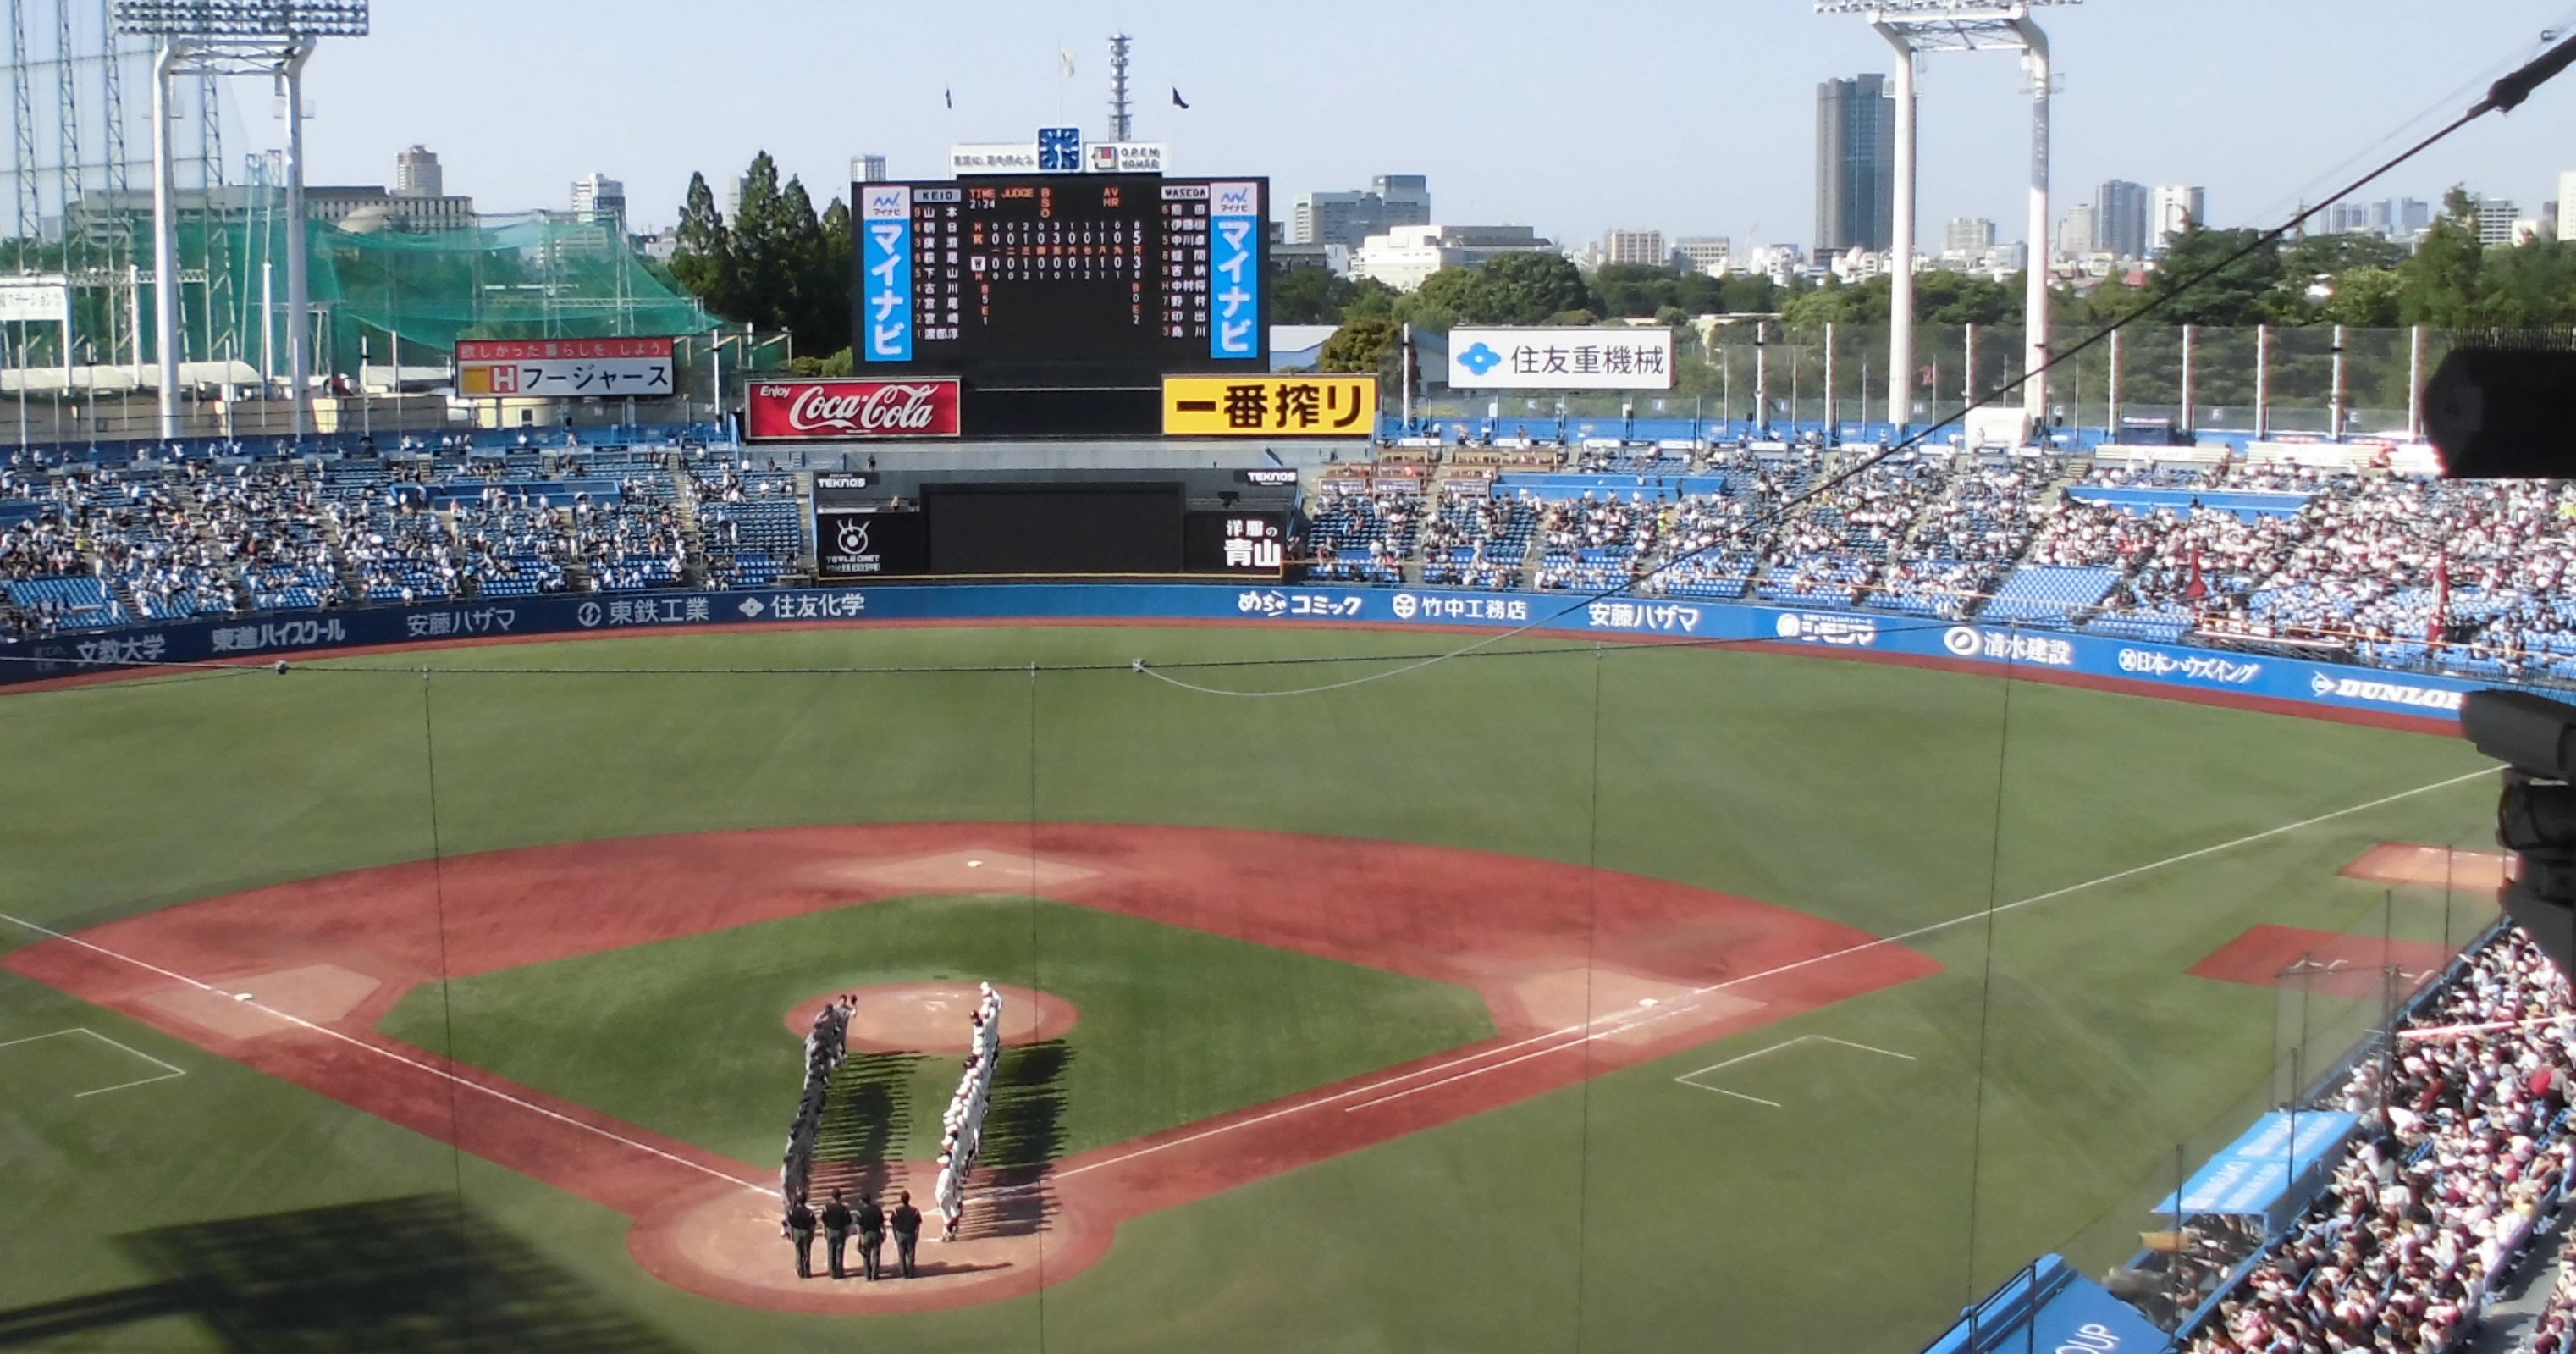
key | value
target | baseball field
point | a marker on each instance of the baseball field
(1553, 997)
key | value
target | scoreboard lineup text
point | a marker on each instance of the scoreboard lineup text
(1063, 269)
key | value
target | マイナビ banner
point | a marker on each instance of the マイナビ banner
(1561, 359)
(613, 368)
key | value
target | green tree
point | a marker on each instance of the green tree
(702, 257)
(2441, 284)
(1362, 345)
(1523, 287)
(2241, 293)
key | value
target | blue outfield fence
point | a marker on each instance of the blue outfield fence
(2336, 687)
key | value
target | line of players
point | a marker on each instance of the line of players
(961, 1125)
(827, 1046)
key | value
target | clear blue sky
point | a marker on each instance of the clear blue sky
(1693, 116)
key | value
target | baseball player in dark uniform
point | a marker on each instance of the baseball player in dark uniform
(871, 1234)
(836, 1232)
(800, 1230)
(907, 1233)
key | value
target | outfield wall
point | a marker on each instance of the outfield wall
(2285, 685)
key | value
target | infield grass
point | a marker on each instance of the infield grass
(2061, 1064)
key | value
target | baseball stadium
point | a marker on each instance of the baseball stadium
(1078, 833)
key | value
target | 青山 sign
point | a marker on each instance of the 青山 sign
(564, 368)
(1560, 359)
(1269, 406)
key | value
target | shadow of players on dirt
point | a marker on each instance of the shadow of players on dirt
(867, 1116)
(426, 1274)
(1023, 1136)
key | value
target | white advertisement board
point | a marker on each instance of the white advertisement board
(993, 157)
(35, 300)
(1560, 359)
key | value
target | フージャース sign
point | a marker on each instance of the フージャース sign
(613, 368)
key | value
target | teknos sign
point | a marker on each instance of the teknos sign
(808, 411)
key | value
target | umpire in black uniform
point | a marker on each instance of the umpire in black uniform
(871, 1234)
(907, 1233)
(836, 1232)
(800, 1230)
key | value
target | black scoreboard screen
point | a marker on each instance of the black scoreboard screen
(1054, 271)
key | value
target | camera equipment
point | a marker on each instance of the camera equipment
(2535, 738)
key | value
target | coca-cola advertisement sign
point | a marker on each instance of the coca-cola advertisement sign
(812, 411)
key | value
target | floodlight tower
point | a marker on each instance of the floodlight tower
(1122, 121)
(234, 37)
(1915, 27)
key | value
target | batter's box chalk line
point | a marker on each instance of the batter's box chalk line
(1691, 1079)
(166, 1073)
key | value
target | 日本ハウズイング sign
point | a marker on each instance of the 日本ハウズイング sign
(1560, 359)
(791, 411)
(1269, 406)
(610, 368)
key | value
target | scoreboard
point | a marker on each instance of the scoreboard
(1002, 279)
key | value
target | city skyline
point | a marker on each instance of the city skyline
(1642, 153)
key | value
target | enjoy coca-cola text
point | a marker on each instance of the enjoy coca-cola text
(854, 409)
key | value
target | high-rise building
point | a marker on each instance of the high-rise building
(1705, 253)
(2495, 220)
(2413, 214)
(2347, 218)
(2120, 219)
(1350, 218)
(2075, 232)
(1643, 247)
(867, 169)
(1407, 198)
(416, 174)
(1967, 239)
(1855, 165)
(597, 197)
(2567, 204)
(2175, 207)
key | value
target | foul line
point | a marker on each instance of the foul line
(1587, 1032)
(1685, 1078)
(381, 1052)
(167, 1070)
(1683, 1005)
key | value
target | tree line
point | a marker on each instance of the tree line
(776, 264)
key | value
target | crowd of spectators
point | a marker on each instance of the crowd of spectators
(1363, 532)
(2461, 1154)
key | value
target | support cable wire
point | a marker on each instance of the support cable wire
(2503, 96)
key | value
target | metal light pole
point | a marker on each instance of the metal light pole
(1916, 27)
(2335, 403)
(272, 38)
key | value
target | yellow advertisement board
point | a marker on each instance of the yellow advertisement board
(1269, 406)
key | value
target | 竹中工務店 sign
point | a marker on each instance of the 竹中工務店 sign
(1269, 406)
(564, 368)
(1560, 359)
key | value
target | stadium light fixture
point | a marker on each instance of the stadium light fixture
(243, 18)
(1915, 27)
(273, 38)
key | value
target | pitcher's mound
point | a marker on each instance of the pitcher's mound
(933, 1017)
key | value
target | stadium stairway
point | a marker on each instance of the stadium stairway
(352, 582)
(684, 504)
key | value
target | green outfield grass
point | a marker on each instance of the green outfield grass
(1174, 1025)
(2052, 1069)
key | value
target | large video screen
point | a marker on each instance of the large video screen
(1085, 528)
(1132, 270)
